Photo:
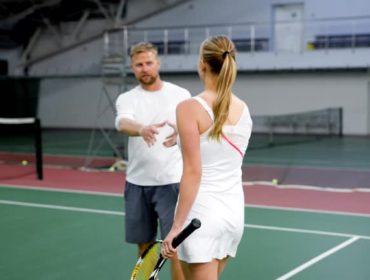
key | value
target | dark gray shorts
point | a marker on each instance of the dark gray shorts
(146, 206)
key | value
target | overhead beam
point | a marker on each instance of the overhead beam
(31, 44)
(121, 7)
(80, 24)
(54, 31)
(103, 10)
(16, 17)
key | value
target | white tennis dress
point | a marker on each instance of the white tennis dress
(219, 204)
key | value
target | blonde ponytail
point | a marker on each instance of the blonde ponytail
(219, 53)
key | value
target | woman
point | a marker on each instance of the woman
(214, 129)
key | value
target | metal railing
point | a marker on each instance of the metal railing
(287, 36)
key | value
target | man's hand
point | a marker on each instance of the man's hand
(149, 132)
(172, 138)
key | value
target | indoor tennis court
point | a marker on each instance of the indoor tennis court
(70, 224)
(303, 71)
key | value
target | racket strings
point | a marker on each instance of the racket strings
(146, 266)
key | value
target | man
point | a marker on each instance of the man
(147, 115)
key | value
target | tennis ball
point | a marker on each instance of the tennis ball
(24, 162)
(275, 181)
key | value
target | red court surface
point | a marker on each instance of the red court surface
(257, 193)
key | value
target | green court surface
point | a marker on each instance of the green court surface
(75, 142)
(345, 152)
(80, 236)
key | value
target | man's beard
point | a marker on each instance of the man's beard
(148, 80)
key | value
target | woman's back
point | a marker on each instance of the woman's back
(222, 160)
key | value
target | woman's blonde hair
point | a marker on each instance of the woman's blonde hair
(219, 53)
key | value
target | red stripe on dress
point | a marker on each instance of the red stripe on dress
(233, 145)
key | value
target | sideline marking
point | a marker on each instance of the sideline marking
(49, 189)
(318, 258)
(354, 214)
(107, 212)
(59, 207)
(306, 231)
(303, 187)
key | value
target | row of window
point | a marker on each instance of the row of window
(262, 44)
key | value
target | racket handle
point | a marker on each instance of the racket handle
(194, 224)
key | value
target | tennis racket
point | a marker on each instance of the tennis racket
(151, 261)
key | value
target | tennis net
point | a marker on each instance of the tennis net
(22, 129)
(273, 130)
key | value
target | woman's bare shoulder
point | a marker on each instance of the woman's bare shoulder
(238, 102)
(189, 105)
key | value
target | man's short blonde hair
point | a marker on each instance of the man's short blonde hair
(143, 47)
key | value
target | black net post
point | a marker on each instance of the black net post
(340, 122)
(38, 149)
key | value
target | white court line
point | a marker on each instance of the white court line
(318, 258)
(307, 231)
(258, 184)
(107, 212)
(307, 210)
(58, 207)
(47, 189)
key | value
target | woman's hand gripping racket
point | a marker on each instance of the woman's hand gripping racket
(151, 261)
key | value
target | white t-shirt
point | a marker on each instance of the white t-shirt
(155, 165)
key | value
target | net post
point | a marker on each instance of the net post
(340, 122)
(270, 131)
(38, 149)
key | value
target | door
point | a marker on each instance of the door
(288, 27)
